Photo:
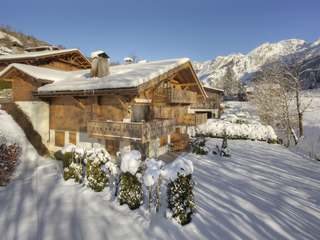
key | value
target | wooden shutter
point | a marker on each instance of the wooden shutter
(59, 138)
(73, 138)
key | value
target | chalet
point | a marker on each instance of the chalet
(63, 59)
(147, 106)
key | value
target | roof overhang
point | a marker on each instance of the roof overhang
(171, 73)
(10, 72)
(32, 56)
(133, 91)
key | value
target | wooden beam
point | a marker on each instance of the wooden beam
(188, 84)
(79, 103)
(204, 94)
(142, 100)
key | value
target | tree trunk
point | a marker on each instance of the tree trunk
(158, 195)
(299, 111)
(294, 135)
(301, 130)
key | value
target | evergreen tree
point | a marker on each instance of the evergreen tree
(230, 84)
(130, 191)
(97, 178)
(180, 198)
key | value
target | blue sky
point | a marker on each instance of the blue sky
(157, 29)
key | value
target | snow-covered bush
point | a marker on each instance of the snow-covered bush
(130, 162)
(237, 129)
(74, 171)
(9, 155)
(180, 198)
(73, 162)
(130, 191)
(180, 189)
(130, 187)
(96, 160)
(198, 146)
(152, 172)
(224, 150)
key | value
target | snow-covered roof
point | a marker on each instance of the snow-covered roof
(43, 73)
(97, 53)
(121, 76)
(28, 55)
(214, 89)
(42, 48)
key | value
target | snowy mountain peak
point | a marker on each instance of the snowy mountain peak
(281, 48)
(243, 66)
(316, 43)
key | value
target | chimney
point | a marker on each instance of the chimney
(99, 64)
(128, 60)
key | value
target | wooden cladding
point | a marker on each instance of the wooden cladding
(181, 96)
(59, 139)
(22, 88)
(193, 119)
(204, 105)
(66, 114)
(73, 138)
(163, 140)
(179, 141)
(174, 96)
(137, 131)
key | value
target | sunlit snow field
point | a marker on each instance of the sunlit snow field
(263, 191)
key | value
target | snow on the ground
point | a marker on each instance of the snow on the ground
(263, 191)
(238, 120)
(152, 172)
(310, 143)
(130, 162)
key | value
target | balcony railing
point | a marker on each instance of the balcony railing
(193, 119)
(137, 131)
(203, 105)
(209, 103)
(181, 96)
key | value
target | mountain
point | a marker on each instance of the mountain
(12, 41)
(245, 65)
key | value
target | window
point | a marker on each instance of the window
(73, 138)
(59, 138)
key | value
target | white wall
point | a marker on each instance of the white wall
(38, 113)
(82, 139)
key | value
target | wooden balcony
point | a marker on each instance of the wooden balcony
(209, 103)
(5, 100)
(136, 131)
(193, 119)
(181, 96)
(203, 105)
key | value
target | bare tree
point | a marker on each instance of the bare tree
(289, 75)
(278, 93)
(273, 103)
